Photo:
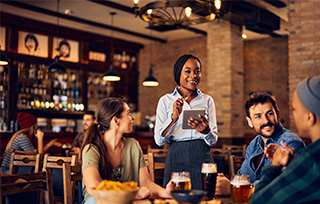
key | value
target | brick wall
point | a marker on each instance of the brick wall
(266, 69)
(225, 58)
(304, 43)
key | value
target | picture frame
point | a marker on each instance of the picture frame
(33, 44)
(2, 38)
(67, 50)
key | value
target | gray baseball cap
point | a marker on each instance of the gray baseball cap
(308, 91)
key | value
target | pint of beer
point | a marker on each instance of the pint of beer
(241, 189)
(209, 178)
(180, 181)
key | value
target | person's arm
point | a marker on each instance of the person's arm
(154, 189)
(222, 185)
(164, 123)
(39, 134)
(290, 186)
(91, 177)
(90, 167)
(212, 137)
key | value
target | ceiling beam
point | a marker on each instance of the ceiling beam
(81, 20)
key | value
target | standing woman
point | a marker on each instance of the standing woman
(106, 154)
(22, 140)
(189, 148)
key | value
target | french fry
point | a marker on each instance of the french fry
(116, 185)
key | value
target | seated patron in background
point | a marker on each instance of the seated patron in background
(263, 115)
(88, 120)
(299, 182)
(22, 140)
(106, 154)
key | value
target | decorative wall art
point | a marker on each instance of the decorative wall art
(33, 44)
(68, 50)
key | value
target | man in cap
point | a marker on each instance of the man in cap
(299, 182)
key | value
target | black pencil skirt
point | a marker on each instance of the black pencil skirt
(187, 156)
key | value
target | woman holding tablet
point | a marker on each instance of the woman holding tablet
(189, 148)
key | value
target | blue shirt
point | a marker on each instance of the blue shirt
(176, 133)
(256, 147)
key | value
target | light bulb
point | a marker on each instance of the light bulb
(149, 11)
(212, 16)
(217, 4)
(188, 11)
(135, 2)
(244, 36)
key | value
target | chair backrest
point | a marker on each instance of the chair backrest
(217, 152)
(238, 150)
(235, 163)
(23, 159)
(57, 161)
(148, 158)
(69, 169)
(12, 184)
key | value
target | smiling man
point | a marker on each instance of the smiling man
(263, 115)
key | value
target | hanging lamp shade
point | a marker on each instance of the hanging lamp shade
(3, 59)
(56, 66)
(111, 75)
(150, 80)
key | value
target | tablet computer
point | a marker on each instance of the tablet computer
(191, 113)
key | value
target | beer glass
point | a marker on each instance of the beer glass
(209, 177)
(241, 189)
(180, 181)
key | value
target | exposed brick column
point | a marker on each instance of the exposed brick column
(225, 76)
(304, 43)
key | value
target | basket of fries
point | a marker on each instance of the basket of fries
(115, 192)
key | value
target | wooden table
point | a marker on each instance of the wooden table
(217, 200)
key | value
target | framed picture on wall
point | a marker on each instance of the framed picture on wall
(3, 38)
(68, 50)
(33, 44)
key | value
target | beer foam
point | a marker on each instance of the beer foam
(209, 169)
(180, 180)
(240, 183)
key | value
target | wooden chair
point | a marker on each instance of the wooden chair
(70, 174)
(159, 157)
(235, 163)
(24, 159)
(148, 158)
(238, 150)
(22, 183)
(220, 157)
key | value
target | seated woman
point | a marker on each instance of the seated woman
(22, 140)
(106, 154)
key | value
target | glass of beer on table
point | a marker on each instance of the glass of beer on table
(241, 189)
(209, 177)
(180, 181)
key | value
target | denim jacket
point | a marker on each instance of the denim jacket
(256, 147)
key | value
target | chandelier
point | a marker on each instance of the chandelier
(179, 13)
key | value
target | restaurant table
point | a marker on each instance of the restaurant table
(217, 200)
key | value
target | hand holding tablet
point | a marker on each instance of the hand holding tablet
(193, 113)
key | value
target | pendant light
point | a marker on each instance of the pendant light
(56, 66)
(150, 80)
(111, 75)
(3, 59)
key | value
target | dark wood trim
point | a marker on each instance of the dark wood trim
(81, 20)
